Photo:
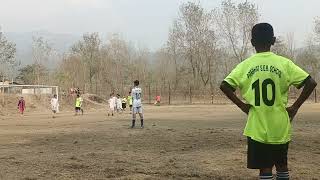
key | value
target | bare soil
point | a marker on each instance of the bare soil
(178, 142)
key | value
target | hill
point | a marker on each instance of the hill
(23, 40)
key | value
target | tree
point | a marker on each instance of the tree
(285, 46)
(7, 55)
(119, 57)
(173, 50)
(27, 74)
(88, 49)
(193, 37)
(41, 51)
(317, 29)
(68, 73)
(235, 22)
(308, 57)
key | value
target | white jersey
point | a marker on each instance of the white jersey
(136, 97)
(115, 101)
(54, 104)
(119, 103)
(112, 102)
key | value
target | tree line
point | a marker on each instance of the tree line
(203, 45)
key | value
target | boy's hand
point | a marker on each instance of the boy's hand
(292, 111)
(309, 86)
(245, 108)
(229, 92)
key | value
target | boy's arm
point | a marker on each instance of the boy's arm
(309, 86)
(229, 92)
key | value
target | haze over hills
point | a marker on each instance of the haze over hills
(59, 42)
(23, 40)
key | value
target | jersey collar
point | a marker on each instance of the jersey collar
(264, 53)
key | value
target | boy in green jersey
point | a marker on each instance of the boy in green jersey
(129, 100)
(78, 105)
(264, 80)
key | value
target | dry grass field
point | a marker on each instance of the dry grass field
(178, 142)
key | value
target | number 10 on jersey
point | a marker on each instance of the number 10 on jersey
(264, 92)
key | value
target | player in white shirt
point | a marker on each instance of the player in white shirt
(136, 103)
(112, 104)
(119, 103)
(54, 105)
(115, 101)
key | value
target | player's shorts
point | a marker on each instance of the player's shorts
(124, 105)
(78, 109)
(54, 111)
(262, 155)
(136, 110)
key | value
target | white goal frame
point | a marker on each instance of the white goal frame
(31, 86)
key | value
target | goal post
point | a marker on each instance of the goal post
(30, 89)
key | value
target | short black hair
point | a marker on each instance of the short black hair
(262, 34)
(136, 82)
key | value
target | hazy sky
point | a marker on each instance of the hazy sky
(144, 22)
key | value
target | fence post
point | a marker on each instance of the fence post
(149, 94)
(211, 98)
(57, 92)
(315, 95)
(169, 94)
(3, 90)
(190, 94)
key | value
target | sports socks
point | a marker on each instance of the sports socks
(133, 123)
(266, 176)
(141, 122)
(283, 175)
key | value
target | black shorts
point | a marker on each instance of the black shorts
(78, 108)
(262, 155)
(130, 106)
(124, 105)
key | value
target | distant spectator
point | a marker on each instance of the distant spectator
(21, 105)
(158, 99)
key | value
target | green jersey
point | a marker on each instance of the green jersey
(79, 102)
(264, 80)
(129, 99)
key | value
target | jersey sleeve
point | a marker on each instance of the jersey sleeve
(297, 76)
(233, 79)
